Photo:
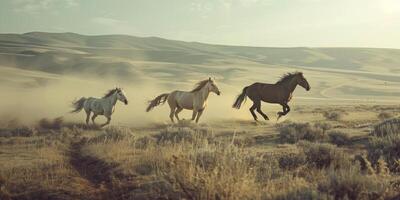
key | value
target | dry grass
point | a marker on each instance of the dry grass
(34, 164)
(69, 161)
(385, 115)
(198, 168)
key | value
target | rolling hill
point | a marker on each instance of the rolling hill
(66, 52)
(345, 73)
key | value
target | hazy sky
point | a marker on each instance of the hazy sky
(365, 23)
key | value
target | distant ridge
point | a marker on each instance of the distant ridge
(63, 36)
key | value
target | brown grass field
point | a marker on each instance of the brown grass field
(352, 155)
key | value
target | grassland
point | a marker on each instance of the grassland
(321, 157)
(340, 141)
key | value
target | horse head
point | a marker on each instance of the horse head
(212, 86)
(302, 81)
(121, 95)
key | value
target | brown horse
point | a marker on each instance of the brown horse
(278, 93)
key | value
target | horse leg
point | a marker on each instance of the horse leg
(285, 109)
(87, 117)
(94, 117)
(178, 110)
(194, 114)
(260, 111)
(171, 114)
(199, 114)
(108, 121)
(252, 108)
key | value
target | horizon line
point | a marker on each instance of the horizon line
(206, 43)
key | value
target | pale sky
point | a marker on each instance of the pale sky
(282, 23)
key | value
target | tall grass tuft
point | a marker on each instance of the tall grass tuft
(388, 148)
(388, 127)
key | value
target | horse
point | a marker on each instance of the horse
(278, 93)
(103, 106)
(195, 100)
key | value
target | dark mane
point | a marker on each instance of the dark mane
(200, 85)
(287, 77)
(110, 92)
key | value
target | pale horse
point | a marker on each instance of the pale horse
(195, 100)
(100, 106)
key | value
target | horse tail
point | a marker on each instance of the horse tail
(78, 105)
(157, 101)
(240, 98)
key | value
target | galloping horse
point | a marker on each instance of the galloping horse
(195, 100)
(104, 106)
(278, 93)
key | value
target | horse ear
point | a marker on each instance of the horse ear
(209, 78)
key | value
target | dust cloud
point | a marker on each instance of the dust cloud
(30, 104)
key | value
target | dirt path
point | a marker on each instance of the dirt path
(95, 173)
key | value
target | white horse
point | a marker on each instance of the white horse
(104, 106)
(195, 100)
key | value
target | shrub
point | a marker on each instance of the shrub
(388, 127)
(293, 132)
(291, 161)
(339, 138)
(51, 124)
(388, 148)
(144, 142)
(207, 160)
(244, 141)
(351, 184)
(74, 131)
(333, 115)
(24, 131)
(113, 134)
(213, 172)
(323, 155)
(384, 116)
(323, 125)
(299, 194)
(182, 134)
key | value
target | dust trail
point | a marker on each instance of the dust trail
(53, 99)
(50, 99)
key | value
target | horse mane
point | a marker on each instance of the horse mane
(111, 92)
(287, 77)
(200, 85)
